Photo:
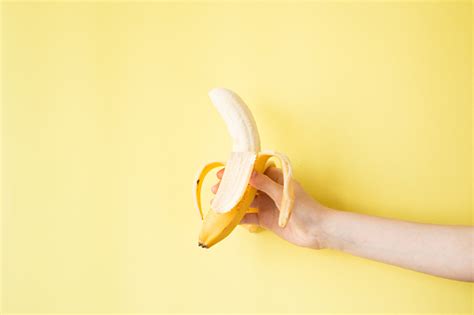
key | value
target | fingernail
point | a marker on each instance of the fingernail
(254, 173)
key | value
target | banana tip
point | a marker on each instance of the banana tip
(202, 245)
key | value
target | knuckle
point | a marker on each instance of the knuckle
(258, 179)
(273, 171)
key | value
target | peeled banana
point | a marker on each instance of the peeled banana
(234, 196)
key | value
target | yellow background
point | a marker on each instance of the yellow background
(106, 119)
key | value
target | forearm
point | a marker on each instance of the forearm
(445, 251)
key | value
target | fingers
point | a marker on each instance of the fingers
(220, 173)
(250, 218)
(215, 188)
(275, 173)
(272, 172)
(267, 185)
(267, 217)
(255, 202)
(270, 183)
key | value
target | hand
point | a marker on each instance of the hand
(303, 226)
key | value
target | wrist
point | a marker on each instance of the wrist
(320, 232)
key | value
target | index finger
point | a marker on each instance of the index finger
(272, 172)
(275, 174)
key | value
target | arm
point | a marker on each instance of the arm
(445, 251)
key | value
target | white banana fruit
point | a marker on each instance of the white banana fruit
(234, 196)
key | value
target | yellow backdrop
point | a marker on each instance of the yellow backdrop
(106, 119)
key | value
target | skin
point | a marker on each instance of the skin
(440, 250)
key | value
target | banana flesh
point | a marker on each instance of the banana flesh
(235, 195)
(245, 147)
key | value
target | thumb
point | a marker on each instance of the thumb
(264, 183)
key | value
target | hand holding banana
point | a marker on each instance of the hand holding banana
(304, 227)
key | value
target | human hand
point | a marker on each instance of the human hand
(303, 228)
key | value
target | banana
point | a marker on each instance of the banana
(234, 196)
(198, 183)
